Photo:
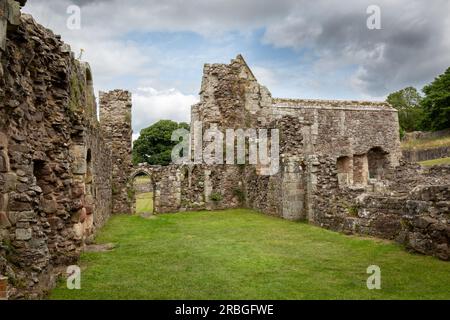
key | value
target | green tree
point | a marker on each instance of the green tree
(154, 145)
(410, 112)
(437, 103)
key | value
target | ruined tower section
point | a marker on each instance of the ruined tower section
(231, 97)
(115, 122)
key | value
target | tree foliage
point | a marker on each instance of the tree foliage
(154, 145)
(436, 103)
(410, 112)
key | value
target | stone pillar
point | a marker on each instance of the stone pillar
(360, 170)
(115, 121)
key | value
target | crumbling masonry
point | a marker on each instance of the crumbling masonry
(340, 167)
(63, 172)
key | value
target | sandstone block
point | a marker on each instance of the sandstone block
(23, 234)
(4, 161)
(78, 230)
(4, 221)
(49, 206)
(3, 141)
(9, 182)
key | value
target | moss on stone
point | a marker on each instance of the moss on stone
(76, 92)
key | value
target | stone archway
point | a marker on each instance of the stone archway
(140, 172)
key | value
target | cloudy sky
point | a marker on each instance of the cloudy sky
(297, 48)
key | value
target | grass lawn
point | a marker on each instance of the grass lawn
(435, 162)
(421, 144)
(240, 254)
(144, 202)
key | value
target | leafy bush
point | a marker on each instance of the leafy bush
(216, 196)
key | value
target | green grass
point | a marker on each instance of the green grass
(144, 202)
(240, 254)
(435, 162)
(422, 144)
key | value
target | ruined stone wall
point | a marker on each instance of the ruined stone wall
(231, 97)
(425, 224)
(351, 129)
(192, 188)
(339, 162)
(366, 133)
(55, 171)
(143, 187)
(410, 206)
(284, 193)
(9, 19)
(425, 154)
(115, 115)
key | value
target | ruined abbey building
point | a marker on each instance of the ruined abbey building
(340, 166)
(65, 166)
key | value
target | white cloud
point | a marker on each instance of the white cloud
(293, 32)
(411, 49)
(265, 76)
(151, 105)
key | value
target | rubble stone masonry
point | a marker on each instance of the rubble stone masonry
(340, 165)
(63, 172)
(56, 162)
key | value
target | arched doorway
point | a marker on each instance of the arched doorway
(144, 189)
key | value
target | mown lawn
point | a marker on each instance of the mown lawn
(240, 254)
(421, 144)
(144, 202)
(435, 162)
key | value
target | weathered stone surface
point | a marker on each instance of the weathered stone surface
(62, 172)
(339, 164)
(115, 112)
(23, 234)
(53, 154)
(4, 221)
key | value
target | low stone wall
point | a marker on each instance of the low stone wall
(426, 221)
(426, 154)
(193, 187)
(412, 207)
